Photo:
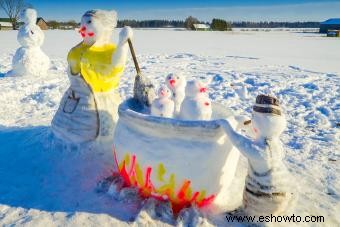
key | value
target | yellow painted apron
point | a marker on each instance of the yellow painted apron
(88, 109)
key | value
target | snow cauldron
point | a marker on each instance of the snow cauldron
(186, 162)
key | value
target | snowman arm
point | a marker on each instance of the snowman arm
(119, 57)
(243, 144)
(71, 69)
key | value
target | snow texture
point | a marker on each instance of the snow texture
(43, 183)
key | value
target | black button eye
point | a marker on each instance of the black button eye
(32, 32)
(89, 22)
(177, 77)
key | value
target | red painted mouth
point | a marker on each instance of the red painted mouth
(207, 103)
(203, 89)
(83, 33)
(172, 82)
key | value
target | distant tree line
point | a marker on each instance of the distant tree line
(271, 24)
(53, 24)
(151, 23)
(188, 23)
(216, 24)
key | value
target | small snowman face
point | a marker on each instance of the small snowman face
(195, 87)
(90, 29)
(175, 80)
(268, 125)
(28, 16)
(30, 36)
(164, 92)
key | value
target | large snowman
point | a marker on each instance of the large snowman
(29, 59)
(88, 109)
(268, 188)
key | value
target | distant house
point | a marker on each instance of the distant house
(201, 27)
(5, 24)
(333, 33)
(330, 24)
(42, 23)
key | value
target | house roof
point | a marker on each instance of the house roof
(332, 21)
(201, 26)
(40, 18)
(5, 24)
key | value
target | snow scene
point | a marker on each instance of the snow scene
(45, 182)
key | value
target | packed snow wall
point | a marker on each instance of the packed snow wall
(183, 161)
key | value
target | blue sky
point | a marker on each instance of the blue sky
(232, 10)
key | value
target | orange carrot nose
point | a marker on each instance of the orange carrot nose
(162, 93)
(82, 29)
(203, 89)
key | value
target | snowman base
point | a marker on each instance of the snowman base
(29, 61)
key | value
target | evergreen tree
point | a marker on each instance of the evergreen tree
(220, 25)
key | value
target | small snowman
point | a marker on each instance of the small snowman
(29, 58)
(176, 83)
(241, 90)
(267, 189)
(196, 104)
(163, 106)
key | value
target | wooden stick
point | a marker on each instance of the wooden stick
(134, 57)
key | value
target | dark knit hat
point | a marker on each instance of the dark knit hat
(267, 104)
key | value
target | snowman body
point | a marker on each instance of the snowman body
(163, 106)
(268, 187)
(196, 104)
(29, 59)
(88, 111)
(176, 83)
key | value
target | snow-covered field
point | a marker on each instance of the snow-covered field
(43, 184)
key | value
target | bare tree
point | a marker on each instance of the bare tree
(12, 8)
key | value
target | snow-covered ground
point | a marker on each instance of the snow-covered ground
(45, 184)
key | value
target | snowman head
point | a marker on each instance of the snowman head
(175, 81)
(196, 87)
(164, 92)
(97, 25)
(28, 16)
(30, 35)
(267, 118)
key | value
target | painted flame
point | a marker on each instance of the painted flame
(134, 176)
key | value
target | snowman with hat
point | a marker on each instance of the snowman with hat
(29, 59)
(267, 189)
